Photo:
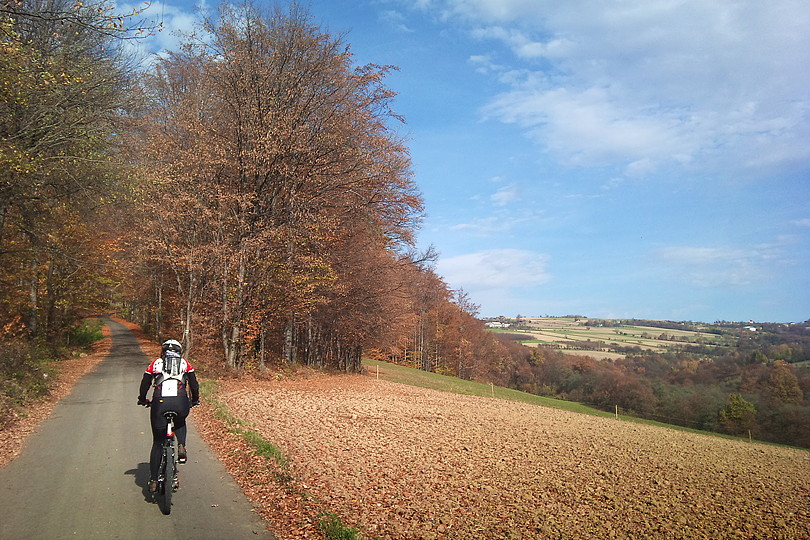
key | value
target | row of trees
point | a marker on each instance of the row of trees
(727, 394)
(247, 193)
(279, 210)
(62, 89)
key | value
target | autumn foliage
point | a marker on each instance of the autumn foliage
(280, 208)
(250, 194)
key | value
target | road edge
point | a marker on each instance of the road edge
(14, 437)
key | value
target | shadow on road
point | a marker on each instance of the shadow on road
(141, 478)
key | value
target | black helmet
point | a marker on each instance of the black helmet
(172, 345)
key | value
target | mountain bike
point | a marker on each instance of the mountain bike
(167, 475)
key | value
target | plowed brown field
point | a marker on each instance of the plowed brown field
(404, 462)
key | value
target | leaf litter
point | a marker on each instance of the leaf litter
(400, 462)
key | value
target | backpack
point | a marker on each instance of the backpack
(171, 378)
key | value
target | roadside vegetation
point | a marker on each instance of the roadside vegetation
(208, 389)
(27, 368)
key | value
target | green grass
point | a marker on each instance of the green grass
(86, 333)
(333, 527)
(260, 446)
(444, 383)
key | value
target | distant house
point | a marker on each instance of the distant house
(496, 324)
(750, 328)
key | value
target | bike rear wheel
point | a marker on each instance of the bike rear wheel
(168, 473)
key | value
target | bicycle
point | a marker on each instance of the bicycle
(167, 481)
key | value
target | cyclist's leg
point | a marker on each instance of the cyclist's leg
(159, 424)
(180, 430)
(154, 457)
(182, 406)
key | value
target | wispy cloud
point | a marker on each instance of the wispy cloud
(505, 195)
(588, 126)
(490, 225)
(396, 20)
(495, 269)
(522, 43)
(718, 266)
(485, 64)
(647, 85)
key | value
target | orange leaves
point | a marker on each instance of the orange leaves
(300, 187)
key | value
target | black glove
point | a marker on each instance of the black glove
(195, 403)
(143, 401)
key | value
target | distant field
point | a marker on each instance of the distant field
(569, 334)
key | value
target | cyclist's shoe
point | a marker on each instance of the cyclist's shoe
(181, 453)
(153, 486)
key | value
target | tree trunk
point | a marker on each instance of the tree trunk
(289, 352)
(159, 311)
(262, 349)
(187, 322)
(33, 298)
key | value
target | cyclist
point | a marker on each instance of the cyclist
(172, 376)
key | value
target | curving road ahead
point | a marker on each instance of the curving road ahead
(83, 474)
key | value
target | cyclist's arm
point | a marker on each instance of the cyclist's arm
(146, 382)
(191, 378)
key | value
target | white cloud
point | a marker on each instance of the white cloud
(589, 126)
(176, 22)
(395, 20)
(506, 222)
(718, 267)
(495, 269)
(522, 44)
(655, 83)
(484, 64)
(486, 226)
(505, 195)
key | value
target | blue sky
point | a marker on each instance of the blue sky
(645, 159)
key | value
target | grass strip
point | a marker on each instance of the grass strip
(333, 527)
(236, 426)
(446, 383)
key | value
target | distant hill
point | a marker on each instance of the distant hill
(616, 338)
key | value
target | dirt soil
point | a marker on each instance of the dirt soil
(402, 462)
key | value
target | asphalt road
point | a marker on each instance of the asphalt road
(83, 473)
